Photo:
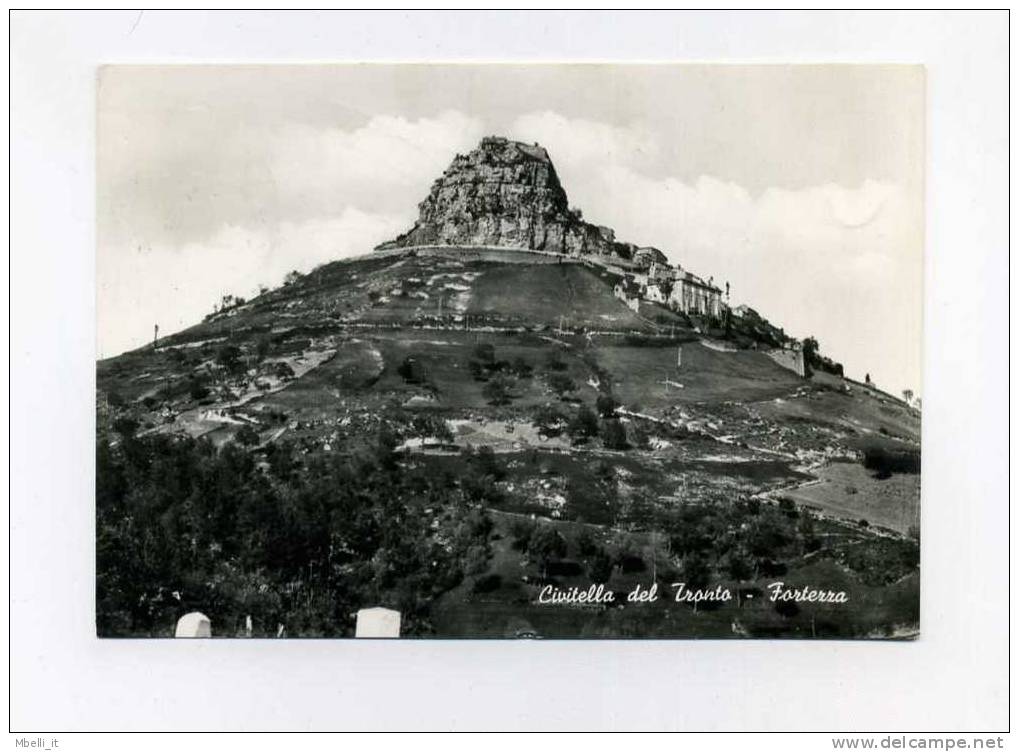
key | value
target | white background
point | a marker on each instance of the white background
(953, 679)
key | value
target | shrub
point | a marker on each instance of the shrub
(884, 462)
(554, 361)
(561, 384)
(487, 583)
(497, 391)
(630, 562)
(613, 435)
(584, 424)
(545, 545)
(197, 389)
(599, 568)
(521, 368)
(229, 356)
(411, 371)
(246, 436)
(522, 530)
(786, 609)
(586, 543)
(485, 352)
(549, 420)
(606, 405)
(476, 559)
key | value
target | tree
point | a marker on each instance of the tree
(546, 545)
(229, 356)
(411, 371)
(606, 405)
(521, 368)
(738, 565)
(613, 434)
(907, 395)
(485, 352)
(291, 277)
(696, 573)
(197, 389)
(599, 568)
(561, 384)
(584, 424)
(497, 390)
(549, 420)
(811, 350)
(247, 436)
(554, 361)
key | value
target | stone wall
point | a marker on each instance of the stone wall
(790, 359)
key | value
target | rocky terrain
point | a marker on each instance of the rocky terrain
(506, 193)
(447, 426)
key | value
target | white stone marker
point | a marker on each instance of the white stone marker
(377, 622)
(195, 624)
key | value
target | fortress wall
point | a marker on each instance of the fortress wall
(719, 345)
(790, 359)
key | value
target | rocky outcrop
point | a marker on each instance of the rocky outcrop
(507, 194)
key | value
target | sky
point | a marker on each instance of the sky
(802, 186)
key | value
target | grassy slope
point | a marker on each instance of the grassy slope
(639, 374)
(363, 377)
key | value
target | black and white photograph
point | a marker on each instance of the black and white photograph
(509, 371)
(504, 351)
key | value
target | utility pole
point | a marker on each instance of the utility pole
(155, 336)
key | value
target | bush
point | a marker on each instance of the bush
(884, 462)
(412, 371)
(630, 563)
(606, 405)
(786, 609)
(585, 541)
(549, 421)
(599, 568)
(545, 545)
(613, 434)
(561, 384)
(497, 391)
(247, 436)
(521, 368)
(229, 356)
(197, 389)
(522, 530)
(554, 361)
(584, 424)
(487, 584)
(485, 352)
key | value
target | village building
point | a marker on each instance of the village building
(660, 272)
(628, 292)
(648, 255)
(692, 295)
(656, 293)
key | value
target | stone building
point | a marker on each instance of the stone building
(628, 292)
(691, 294)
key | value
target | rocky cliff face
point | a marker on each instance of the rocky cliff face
(506, 193)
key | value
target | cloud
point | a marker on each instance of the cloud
(374, 164)
(842, 263)
(177, 286)
(189, 213)
(187, 216)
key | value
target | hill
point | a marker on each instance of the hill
(450, 430)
